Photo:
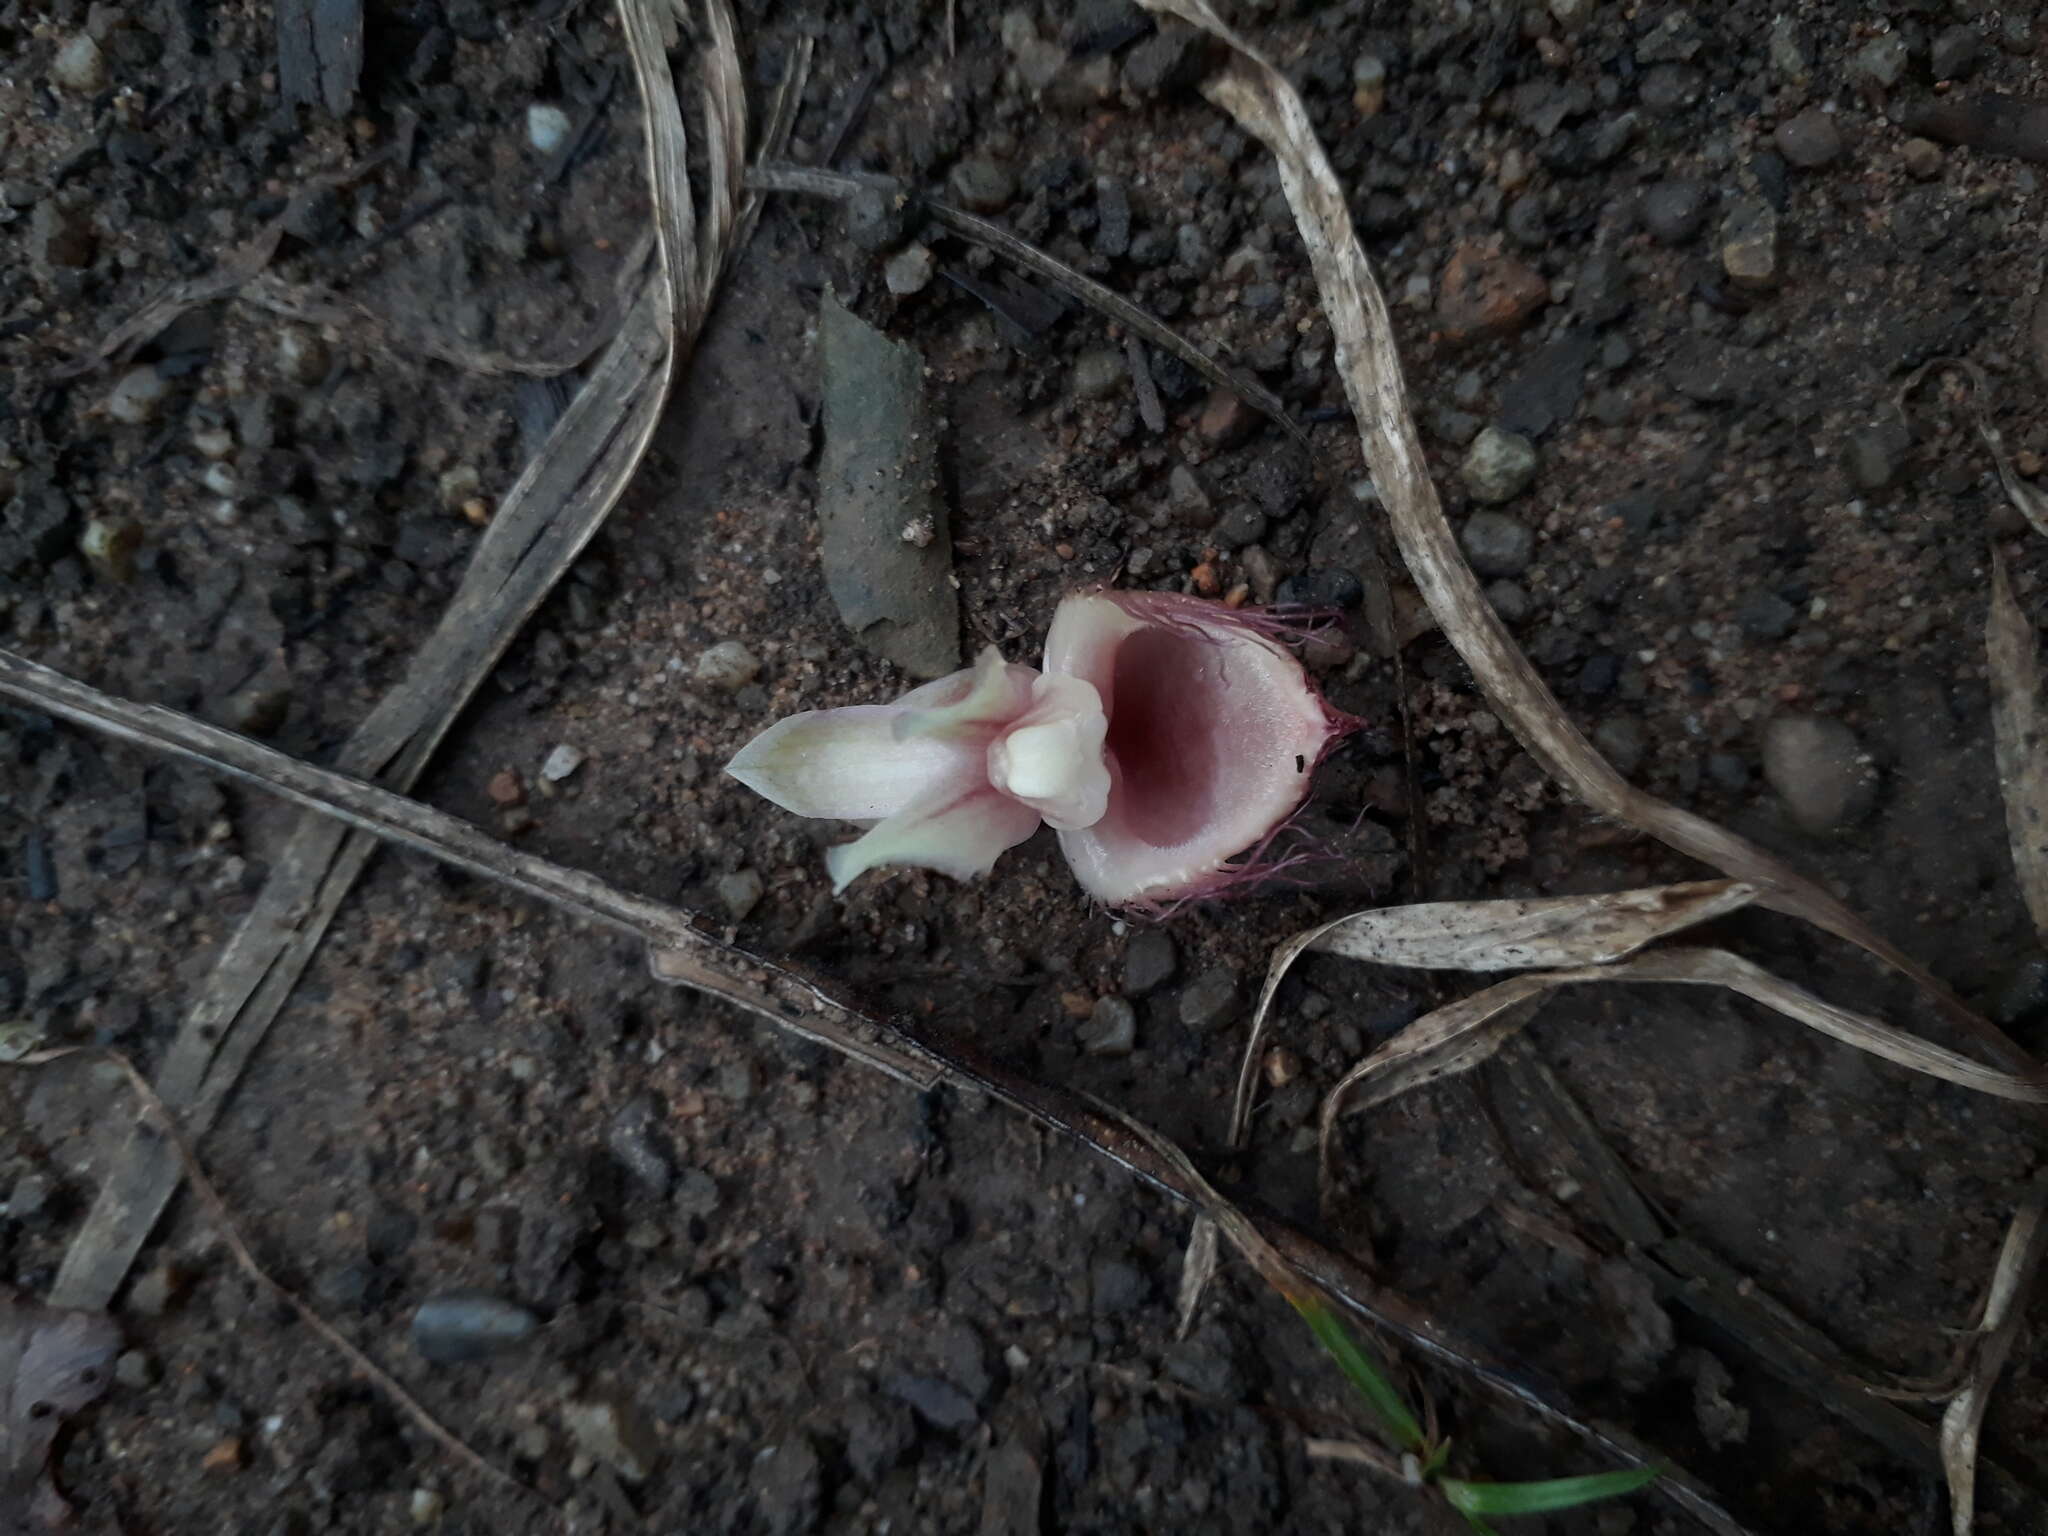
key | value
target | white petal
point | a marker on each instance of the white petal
(961, 835)
(994, 694)
(1052, 759)
(850, 763)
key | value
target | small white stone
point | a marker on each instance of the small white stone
(546, 127)
(427, 1506)
(909, 270)
(220, 479)
(728, 665)
(136, 396)
(80, 66)
(213, 442)
(562, 761)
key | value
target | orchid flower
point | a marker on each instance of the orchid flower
(1165, 737)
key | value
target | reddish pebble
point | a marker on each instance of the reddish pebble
(505, 789)
(1226, 420)
(1205, 579)
(1487, 294)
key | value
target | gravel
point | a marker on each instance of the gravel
(1820, 772)
(1497, 545)
(80, 66)
(1498, 467)
(1810, 139)
(1149, 961)
(1673, 211)
(468, 1325)
(909, 270)
(1210, 999)
(728, 666)
(1111, 1028)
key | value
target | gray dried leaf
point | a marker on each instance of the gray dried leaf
(53, 1362)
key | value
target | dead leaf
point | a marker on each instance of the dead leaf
(53, 1362)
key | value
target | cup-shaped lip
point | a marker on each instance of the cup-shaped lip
(1214, 732)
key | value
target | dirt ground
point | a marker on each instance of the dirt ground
(777, 1294)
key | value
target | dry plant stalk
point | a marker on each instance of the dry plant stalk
(1368, 360)
(543, 524)
(2012, 1282)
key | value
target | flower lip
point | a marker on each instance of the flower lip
(1214, 730)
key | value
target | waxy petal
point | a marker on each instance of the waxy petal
(1214, 730)
(852, 763)
(1052, 759)
(969, 705)
(961, 834)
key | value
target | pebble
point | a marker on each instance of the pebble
(1674, 210)
(1509, 599)
(1210, 999)
(29, 1197)
(59, 237)
(635, 1138)
(1670, 88)
(1164, 60)
(1728, 771)
(137, 396)
(547, 127)
(873, 219)
(1787, 53)
(1571, 13)
(1099, 373)
(614, 1431)
(1497, 545)
(1369, 84)
(1875, 456)
(728, 666)
(1112, 1028)
(426, 1507)
(1498, 467)
(739, 893)
(468, 1325)
(136, 1370)
(1749, 244)
(1767, 616)
(789, 1487)
(302, 356)
(80, 66)
(1819, 770)
(1189, 497)
(1922, 159)
(981, 185)
(1623, 741)
(1149, 961)
(1241, 524)
(505, 789)
(110, 546)
(151, 1296)
(562, 761)
(1809, 140)
(1881, 62)
(1484, 294)
(939, 1403)
(1226, 420)
(909, 270)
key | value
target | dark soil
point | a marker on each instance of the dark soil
(821, 1301)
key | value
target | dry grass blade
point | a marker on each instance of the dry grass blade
(1267, 105)
(543, 524)
(1358, 1453)
(792, 1002)
(1442, 1043)
(835, 184)
(1521, 935)
(1717, 967)
(2012, 1282)
(2022, 748)
(1488, 936)
(158, 1111)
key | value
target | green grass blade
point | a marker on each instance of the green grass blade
(1539, 1498)
(1377, 1391)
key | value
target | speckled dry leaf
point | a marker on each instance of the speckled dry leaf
(1452, 1039)
(53, 1362)
(1719, 968)
(1267, 105)
(2012, 1281)
(2022, 752)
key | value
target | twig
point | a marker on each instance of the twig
(840, 185)
(794, 1002)
(542, 526)
(155, 1108)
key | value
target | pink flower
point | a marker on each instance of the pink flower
(1166, 736)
